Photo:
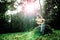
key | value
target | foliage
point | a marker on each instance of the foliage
(4, 25)
(52, 13)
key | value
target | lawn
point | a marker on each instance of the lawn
(31, 35)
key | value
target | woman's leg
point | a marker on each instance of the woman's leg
(42, 28)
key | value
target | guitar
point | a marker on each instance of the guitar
(39, 21)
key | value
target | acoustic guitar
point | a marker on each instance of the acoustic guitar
(39, 21)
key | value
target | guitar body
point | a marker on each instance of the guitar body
(38, 21)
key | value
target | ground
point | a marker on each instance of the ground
(32, 35)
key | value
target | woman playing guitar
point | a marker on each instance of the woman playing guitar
(41, 23)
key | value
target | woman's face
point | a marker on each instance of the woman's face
(37, 17)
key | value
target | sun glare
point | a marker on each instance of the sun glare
(26, 7)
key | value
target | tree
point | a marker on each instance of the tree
(52, 12)
(4, 25)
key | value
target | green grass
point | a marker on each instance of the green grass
(32, 35)
(19, 36)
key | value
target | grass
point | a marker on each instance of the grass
(19, 36)
(32, 35)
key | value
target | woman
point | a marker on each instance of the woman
(41, 23)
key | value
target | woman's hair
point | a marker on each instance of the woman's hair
(38, 16)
